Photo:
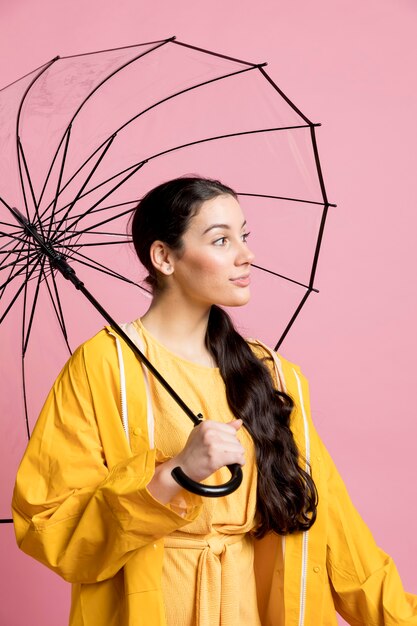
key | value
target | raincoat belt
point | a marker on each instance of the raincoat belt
(217, 583)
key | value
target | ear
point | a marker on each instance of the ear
(161, 256)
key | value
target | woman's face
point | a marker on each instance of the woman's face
(214, 264)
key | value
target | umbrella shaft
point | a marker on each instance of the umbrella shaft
(196, 419)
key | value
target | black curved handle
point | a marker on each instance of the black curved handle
(210, 491)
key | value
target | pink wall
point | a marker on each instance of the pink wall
(350, 66)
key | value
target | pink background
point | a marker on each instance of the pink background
(350, 66)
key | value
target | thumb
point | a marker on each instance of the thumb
(236, 423)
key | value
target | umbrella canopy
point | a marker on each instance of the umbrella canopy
(84, 137)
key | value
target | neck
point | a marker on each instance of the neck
(180, 327)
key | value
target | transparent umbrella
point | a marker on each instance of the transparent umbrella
(84, 136)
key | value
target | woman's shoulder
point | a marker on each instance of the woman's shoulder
(98, 345)
(98, 351)
(288, 375)
(267, 354)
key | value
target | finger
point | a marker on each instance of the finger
(219, 437)
(230, 427)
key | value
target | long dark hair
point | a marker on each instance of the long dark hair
(286, 493)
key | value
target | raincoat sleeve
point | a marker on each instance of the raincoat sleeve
(364, 581)
(80, 503)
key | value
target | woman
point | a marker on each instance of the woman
(95, 500)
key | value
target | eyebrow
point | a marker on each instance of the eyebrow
(224, 226)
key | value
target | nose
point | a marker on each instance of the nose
(245, 255)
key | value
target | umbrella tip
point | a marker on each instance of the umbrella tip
(18, 215)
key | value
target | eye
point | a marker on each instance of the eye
(245, 237)
(220, 242)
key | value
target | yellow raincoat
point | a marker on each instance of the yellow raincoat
(81, 507)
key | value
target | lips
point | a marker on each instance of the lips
(241, 281)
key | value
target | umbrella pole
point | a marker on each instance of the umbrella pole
(59, 262)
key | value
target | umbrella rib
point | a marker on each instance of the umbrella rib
(5, 203)
(137, 45)
(97, 243)
(19, 112)
(141, 163)
(22, 182)
(41, 67)
(8, 224)
(24, 344)
(287, 278)
(51, 167)
(110, 219)
(11, 277)
(102, 268)
(98, 266)
(325, 208)
(20, 259)
(225, 136)
(32, 191)
(107, 78)
(114, 275)
(264, 195)
(13, 225)
(61, 172)
(16, 275)
(113, 206)
(282, 94)
(292, 320)
(96, 232)
(25, 403)
(17, 294)
(69, 234)
(8, 252)
(57, 307)
(26, 334)
(87, 180)
(14, 237)
(134, 169)
(215, 54)
(70, 179)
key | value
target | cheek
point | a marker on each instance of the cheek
(208, 267)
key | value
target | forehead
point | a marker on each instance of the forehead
(224, 209)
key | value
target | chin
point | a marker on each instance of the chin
(236, 302)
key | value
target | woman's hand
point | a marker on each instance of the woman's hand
(210, 446)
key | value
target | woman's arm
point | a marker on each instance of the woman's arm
(366, 586)
(73, 510)
(364, 583)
